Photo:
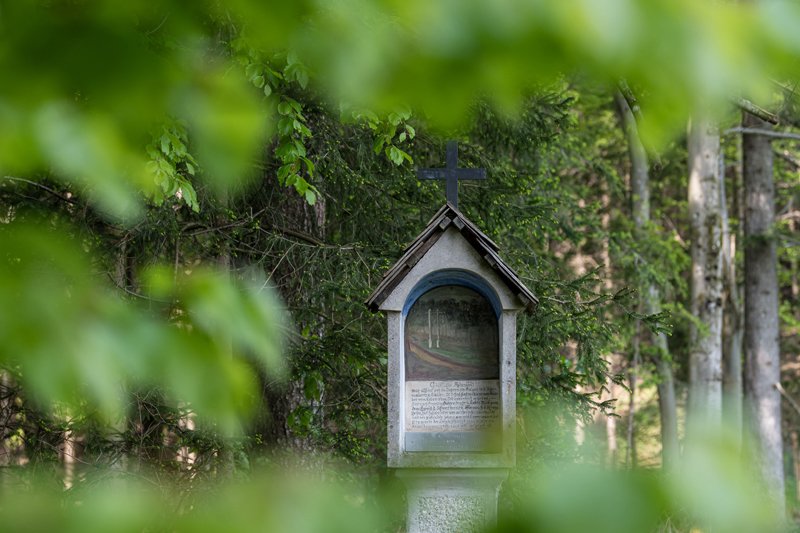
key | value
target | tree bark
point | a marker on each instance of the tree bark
(631, 457)
(6, 420)
(640, 196)
(224, 266)
(116, 434)
(612, 448)
(762, 350)
(667, 404)
(733, 323)
(705, 350)
(69, 454)
(613, 360)
(8, 427)
(796, 465)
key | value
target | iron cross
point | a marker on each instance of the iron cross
(452, 173)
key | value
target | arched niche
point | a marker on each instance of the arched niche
(451, 332)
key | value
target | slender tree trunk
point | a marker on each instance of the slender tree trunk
(705, 351)
(793, 269)
(640, 195)
(762, 350)
(796, 464)
(795, 290)
(224, 264)
(732, 325)
(613, 360)
(69, 455)
(612, 449)
(116, 435)
(7, 426)
(6, 419)
(284, 403)
(667, 405)
(631, 458)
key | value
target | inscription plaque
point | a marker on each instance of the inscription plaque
(452, 405)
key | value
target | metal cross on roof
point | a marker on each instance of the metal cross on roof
(452, 173)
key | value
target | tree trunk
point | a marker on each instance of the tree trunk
(116, 434)
(733, 324)
(6, 420)
(612, 448)
(613, 360)
(11, 452)
(796, 465)
(69, 455)
(631, 458)
(705, 350)
(762, 351)
(224, 264)
(640, 195)
(287, 405)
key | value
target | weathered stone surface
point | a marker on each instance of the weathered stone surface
(450, 514)
(451, 500)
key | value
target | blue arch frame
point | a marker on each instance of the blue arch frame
(461, 278)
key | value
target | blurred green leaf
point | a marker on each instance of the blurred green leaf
(72, 338)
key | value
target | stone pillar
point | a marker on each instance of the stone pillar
(451, 500)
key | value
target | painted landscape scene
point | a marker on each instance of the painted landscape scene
(451, 334)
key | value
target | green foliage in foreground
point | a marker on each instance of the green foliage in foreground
(711, 490)
(128, 124)
(74, 342)
(89, 84)
(155, 101)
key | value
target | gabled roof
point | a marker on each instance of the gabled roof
(444, 218)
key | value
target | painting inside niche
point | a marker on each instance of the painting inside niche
(451, 334)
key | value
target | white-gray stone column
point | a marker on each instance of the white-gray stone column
(451, 500)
